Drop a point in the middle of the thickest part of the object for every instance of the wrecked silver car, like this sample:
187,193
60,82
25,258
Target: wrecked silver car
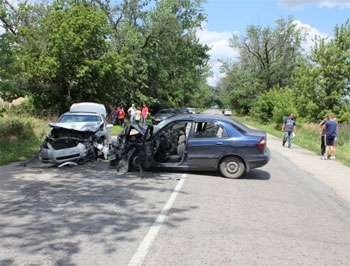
80,135
198,142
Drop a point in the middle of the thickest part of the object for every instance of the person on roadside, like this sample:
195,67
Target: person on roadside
330,127
144,114
289,129
138,115
132,112
120,116
336,136
113,115
323,135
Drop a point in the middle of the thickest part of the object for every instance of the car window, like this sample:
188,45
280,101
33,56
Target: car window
209,130
79,118
240,127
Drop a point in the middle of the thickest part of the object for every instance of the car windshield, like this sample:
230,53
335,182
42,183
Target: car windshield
159,126
162,112
68,118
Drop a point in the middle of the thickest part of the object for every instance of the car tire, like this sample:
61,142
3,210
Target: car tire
134,163
232,167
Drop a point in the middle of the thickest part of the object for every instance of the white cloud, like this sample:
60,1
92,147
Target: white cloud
322,3
220,50
218,42
312,33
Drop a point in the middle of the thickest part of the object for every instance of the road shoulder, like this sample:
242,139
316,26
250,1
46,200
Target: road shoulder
330,172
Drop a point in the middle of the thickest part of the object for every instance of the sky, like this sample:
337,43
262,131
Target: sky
225,17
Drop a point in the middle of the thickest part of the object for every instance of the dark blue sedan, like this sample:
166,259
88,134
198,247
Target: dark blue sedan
191,143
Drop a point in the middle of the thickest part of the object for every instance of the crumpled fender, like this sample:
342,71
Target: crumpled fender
122,162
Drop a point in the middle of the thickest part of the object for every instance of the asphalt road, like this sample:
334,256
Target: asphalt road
293,211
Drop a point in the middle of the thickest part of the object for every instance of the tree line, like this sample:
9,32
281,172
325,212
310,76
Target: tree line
92,50
136,51
274,76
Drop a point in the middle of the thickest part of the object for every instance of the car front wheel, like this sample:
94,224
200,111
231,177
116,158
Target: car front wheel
135,162
232,167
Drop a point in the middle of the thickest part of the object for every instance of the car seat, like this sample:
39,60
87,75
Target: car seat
181,147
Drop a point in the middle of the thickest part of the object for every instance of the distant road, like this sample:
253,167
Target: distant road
213,111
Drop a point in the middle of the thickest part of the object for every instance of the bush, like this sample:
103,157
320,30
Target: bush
274,106
20,137
19,128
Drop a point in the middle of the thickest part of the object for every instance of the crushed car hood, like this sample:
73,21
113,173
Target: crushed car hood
78,126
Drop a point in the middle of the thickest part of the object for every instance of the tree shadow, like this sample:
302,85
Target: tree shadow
47,213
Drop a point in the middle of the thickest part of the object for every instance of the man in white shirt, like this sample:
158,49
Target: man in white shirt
132,112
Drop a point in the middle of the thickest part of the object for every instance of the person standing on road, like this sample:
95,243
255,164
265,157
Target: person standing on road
323,135
113,115
289,129
132,112
331,127
144,114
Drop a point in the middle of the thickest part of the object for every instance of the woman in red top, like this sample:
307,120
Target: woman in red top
120,116
144,114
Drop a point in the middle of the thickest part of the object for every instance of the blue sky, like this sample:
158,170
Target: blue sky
225,17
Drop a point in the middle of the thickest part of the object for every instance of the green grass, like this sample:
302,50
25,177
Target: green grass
308,137
14,151
20,137
116,130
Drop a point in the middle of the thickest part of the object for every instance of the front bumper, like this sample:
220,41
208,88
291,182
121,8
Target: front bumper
50,155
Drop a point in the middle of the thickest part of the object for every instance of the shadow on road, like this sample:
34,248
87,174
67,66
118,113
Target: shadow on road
49,214
257,174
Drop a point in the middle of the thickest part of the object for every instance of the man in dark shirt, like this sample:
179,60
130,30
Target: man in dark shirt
289,128
330,127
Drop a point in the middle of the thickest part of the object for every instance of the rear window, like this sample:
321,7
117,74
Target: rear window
240,127
70,118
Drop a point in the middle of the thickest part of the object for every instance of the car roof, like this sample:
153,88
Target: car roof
81,113
207,118
201,118
166,110
89,107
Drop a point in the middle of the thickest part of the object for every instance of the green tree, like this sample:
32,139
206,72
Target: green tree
135,51
267,58
13,46
322,83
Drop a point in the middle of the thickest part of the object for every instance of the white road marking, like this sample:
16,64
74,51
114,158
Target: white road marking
143,248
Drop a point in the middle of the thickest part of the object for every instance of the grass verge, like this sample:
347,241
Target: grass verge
20,137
